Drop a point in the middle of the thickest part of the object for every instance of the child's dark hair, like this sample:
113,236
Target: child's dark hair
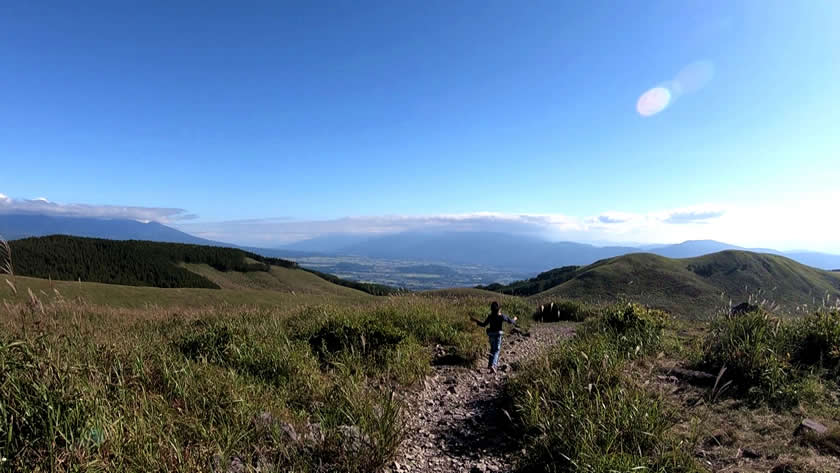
494,307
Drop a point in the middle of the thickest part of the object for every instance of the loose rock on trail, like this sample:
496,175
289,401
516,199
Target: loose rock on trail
456,422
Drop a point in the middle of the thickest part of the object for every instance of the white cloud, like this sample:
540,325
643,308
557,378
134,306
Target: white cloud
803,224
799,222
272,232
43,206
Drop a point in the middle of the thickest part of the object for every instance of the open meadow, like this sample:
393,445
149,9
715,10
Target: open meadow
281,370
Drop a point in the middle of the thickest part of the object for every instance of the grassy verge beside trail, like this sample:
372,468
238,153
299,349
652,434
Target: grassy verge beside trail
774,361
576,410
223,388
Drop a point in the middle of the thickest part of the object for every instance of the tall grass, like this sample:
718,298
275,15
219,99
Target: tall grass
218,388
774,360
6,265
578,411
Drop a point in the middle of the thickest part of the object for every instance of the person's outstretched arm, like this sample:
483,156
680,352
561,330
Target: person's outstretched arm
510,320
480,323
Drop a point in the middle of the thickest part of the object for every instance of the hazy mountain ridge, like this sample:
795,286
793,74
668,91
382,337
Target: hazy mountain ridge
17,226
525,253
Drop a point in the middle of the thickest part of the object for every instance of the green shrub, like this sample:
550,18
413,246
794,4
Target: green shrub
752,348
365,336
579,413
565,310
815,342
631,327
209,343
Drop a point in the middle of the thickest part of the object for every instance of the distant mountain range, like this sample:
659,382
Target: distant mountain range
521,253
518,253
14,227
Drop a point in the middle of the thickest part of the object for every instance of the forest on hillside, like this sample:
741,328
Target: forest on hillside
131,262
146,263
535,285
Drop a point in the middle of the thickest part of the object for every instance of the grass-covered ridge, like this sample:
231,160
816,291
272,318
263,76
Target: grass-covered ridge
697,287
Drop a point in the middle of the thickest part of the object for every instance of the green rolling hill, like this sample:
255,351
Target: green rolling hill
697,287
169,265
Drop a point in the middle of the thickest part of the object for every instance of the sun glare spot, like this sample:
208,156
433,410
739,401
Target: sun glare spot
690,79
695,76
653,101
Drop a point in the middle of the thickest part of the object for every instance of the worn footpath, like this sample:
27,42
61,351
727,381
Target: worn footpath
456,422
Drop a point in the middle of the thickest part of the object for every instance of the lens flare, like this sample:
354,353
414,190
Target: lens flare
695,76
653,101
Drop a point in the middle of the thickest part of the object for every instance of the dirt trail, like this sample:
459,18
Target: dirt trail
456,423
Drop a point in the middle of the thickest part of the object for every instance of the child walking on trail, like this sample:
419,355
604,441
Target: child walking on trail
494,323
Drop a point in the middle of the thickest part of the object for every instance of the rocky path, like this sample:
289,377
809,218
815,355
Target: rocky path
456,423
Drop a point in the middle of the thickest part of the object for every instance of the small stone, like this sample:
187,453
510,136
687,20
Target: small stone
236,466
810,426
289,430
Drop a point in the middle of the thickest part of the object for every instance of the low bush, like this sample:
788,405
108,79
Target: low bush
760,355
815,342
565,310
631,327
750,346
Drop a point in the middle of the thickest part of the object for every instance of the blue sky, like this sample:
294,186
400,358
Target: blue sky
284,114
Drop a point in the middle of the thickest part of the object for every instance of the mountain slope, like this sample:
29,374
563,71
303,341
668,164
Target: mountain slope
696,287
277,278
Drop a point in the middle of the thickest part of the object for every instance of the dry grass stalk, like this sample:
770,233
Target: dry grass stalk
6,266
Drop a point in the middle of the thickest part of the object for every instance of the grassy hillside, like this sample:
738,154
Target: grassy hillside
304,289
697,287
276,279
167,265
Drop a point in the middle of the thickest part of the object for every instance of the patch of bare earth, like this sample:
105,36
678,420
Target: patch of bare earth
456,422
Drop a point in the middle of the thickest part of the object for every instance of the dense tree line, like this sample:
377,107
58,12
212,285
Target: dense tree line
370,288
540,283
132,262
146,263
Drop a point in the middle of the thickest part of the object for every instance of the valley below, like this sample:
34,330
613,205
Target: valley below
408,274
